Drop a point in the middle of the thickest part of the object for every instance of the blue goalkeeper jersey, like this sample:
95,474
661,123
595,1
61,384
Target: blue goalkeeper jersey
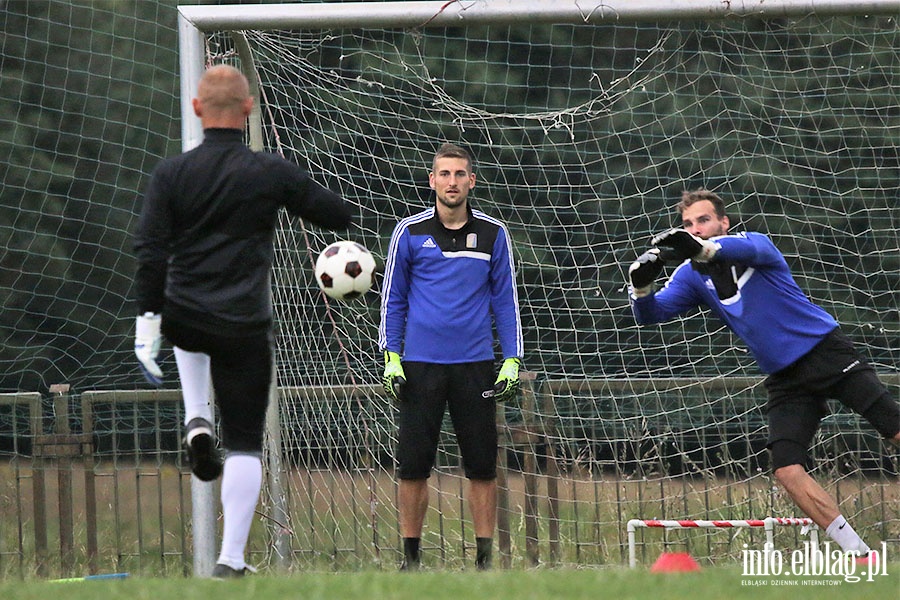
749,286
446,290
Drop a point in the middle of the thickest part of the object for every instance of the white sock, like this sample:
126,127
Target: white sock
241,484
842,533
193,371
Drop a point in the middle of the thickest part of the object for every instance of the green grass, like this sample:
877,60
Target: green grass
562,584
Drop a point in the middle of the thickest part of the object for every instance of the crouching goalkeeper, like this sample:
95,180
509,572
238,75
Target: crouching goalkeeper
745,281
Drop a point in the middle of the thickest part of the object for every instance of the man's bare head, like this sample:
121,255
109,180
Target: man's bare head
223,97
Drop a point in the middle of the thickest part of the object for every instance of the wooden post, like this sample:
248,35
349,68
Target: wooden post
61,445
60,394
39,491
503,534
529,405
550,434
90,494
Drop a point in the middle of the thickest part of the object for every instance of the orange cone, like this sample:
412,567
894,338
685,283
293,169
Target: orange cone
674,562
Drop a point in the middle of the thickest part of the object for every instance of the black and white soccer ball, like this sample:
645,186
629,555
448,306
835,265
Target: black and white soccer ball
345,269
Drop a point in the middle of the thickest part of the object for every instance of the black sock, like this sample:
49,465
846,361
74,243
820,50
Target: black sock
411,551
483,552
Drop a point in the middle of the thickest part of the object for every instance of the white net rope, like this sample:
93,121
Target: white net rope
584,138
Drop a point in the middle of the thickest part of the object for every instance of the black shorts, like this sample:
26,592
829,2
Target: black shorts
833,369
241,373
431,389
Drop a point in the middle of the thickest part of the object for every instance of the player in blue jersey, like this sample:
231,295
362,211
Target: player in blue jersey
745,281
449,282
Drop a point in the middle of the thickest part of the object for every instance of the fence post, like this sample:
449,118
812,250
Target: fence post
90,493
39,490
503,534
60,392
63,446
532,435
549,434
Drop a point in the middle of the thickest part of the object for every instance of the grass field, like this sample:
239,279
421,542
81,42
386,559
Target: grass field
143,520
562,584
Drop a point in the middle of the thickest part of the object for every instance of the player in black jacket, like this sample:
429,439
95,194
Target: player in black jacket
204,246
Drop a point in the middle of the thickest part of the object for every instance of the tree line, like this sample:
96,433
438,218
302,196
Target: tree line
797,123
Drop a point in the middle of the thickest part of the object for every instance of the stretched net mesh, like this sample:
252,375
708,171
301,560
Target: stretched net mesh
584,137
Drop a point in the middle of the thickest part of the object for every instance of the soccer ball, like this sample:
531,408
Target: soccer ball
344,270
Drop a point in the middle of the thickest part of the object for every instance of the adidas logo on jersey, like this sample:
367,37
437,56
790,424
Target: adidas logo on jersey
429,243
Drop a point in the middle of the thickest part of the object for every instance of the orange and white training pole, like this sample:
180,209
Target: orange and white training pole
769,524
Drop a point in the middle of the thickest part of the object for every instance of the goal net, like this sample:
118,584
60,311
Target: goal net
584,132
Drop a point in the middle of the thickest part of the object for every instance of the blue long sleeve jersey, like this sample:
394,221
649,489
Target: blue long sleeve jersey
749,286
442,287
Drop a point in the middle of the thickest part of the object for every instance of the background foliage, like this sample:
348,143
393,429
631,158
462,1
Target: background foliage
89,104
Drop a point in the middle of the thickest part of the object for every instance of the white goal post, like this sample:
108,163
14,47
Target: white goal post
657,397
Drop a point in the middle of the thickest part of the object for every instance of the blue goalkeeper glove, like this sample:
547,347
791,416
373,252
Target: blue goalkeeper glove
686,245
147,341
507,383
394,378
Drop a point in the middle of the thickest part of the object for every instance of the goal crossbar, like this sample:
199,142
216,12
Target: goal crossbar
442,13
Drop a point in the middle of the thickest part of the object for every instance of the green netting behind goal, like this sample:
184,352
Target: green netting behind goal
584,136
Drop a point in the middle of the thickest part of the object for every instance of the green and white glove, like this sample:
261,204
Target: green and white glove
507,384
394,378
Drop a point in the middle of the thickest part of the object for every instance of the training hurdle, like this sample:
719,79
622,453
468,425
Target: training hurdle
769,524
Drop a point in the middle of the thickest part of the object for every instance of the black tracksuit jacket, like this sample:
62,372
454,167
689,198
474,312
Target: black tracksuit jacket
204,241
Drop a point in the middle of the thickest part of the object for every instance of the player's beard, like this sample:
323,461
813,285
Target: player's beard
460,200
720,230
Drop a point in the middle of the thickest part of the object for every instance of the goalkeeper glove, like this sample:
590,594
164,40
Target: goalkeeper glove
147,341
394,379
686,245
644,271
507,383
